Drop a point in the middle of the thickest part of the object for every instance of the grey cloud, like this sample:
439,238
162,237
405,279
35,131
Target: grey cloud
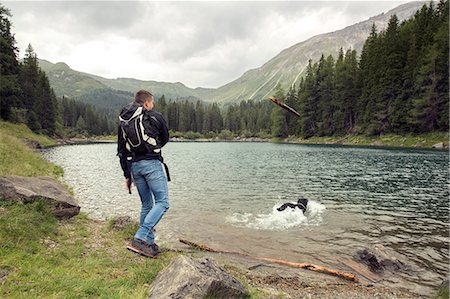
213,23
206,40
81,18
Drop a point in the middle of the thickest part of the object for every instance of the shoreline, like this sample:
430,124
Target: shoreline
389,142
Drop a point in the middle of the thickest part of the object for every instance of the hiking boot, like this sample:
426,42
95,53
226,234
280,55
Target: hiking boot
143,248
156,247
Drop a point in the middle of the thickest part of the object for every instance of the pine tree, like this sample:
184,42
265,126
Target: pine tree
393,63
199,114
341,88
9,67
325,94
29,81
308,100
292,101
370,71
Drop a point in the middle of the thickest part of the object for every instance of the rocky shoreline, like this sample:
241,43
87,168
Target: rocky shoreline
376,144
346,141
272,280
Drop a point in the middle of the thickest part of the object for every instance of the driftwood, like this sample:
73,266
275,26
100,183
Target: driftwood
307,266
284,106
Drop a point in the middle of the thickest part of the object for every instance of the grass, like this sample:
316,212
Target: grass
16,158
21,131
391,140
77,258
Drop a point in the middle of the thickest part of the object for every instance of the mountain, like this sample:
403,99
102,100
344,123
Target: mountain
286,68
68,82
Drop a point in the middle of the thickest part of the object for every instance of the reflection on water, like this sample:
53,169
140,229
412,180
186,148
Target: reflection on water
224,195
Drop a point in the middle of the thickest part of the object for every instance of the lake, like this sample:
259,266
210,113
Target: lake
225,195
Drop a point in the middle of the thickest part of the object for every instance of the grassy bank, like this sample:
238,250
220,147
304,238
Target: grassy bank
18,158
390,140
77,258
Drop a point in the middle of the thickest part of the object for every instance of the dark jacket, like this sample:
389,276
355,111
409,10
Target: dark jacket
162,133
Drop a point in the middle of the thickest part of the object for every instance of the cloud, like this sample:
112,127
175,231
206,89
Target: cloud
203,44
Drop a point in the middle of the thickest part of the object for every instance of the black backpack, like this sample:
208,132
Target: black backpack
139,130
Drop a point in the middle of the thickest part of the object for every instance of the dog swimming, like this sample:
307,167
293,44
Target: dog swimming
301,204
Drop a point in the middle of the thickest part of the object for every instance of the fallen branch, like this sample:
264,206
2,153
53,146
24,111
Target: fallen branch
284,106
311,267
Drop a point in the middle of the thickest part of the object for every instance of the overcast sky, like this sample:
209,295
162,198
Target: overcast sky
201,44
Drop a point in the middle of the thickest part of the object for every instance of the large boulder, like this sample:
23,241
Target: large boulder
191,279
28,189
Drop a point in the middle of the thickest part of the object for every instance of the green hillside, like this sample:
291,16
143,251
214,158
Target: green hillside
67,82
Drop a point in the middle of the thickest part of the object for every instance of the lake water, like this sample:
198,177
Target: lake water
225,195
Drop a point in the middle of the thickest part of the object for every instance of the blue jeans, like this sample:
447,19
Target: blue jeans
151,183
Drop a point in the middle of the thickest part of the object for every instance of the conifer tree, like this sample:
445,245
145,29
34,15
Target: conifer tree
308,100
325,96
9,67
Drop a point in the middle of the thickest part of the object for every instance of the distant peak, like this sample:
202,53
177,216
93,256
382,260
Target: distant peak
62,64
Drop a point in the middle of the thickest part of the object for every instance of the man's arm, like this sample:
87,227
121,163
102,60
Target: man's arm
123,154
163,132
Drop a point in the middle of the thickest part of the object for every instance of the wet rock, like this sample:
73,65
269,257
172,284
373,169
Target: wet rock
189,278
379,259
439,145
29,189
368,258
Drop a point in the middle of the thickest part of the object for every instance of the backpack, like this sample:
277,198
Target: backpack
139,131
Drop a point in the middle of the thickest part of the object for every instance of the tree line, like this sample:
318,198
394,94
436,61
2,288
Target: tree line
399,84
27,97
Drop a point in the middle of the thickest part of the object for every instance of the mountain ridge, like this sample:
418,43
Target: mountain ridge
285,68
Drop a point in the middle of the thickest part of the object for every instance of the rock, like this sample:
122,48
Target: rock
29,189
439,145
33,144
121,222
379,259
189,278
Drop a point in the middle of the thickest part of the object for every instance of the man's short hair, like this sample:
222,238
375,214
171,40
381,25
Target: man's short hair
142,96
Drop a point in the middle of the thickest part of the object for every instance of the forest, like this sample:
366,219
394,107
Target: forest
398,84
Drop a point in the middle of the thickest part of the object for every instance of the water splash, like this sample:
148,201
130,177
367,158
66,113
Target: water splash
283,220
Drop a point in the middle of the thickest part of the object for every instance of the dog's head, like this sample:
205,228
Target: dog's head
302,201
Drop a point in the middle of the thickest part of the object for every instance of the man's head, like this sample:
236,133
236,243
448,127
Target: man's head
144,98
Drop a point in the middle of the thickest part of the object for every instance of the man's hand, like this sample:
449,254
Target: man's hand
128,183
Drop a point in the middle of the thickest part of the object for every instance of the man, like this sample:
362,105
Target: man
142,134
